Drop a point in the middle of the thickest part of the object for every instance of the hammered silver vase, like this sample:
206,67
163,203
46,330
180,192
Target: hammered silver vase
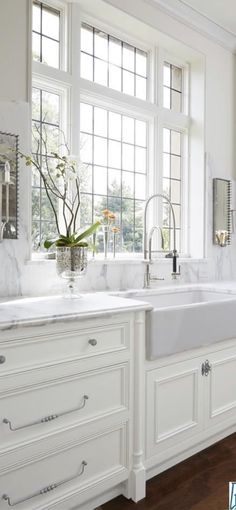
71,264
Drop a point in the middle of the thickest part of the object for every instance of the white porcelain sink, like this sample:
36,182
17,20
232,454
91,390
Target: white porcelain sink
186,318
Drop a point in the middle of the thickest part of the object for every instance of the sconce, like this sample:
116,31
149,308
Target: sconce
8,186
222,212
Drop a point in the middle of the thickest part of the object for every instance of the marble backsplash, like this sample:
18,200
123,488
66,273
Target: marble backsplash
39,277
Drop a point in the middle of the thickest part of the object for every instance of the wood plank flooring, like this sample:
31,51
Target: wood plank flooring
198,483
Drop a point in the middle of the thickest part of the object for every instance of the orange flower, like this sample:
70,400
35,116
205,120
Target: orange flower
111,216
106,212
115,230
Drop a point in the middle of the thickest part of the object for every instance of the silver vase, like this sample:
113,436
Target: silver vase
71,264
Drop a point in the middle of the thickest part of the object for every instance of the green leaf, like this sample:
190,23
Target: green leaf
88,232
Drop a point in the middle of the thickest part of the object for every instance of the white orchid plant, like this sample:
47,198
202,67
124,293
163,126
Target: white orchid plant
60,177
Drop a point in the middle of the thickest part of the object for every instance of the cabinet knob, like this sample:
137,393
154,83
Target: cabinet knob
92,341
2,360
206,368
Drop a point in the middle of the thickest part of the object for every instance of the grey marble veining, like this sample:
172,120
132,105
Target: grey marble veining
38,311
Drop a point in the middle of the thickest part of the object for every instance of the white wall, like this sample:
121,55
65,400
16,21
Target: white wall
219,143
14,118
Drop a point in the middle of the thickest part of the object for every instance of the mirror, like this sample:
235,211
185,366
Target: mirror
8,186
221,212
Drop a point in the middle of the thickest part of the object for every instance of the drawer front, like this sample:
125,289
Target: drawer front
33,412
50,347
69,471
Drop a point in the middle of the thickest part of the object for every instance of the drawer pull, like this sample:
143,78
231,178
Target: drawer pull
92,341
46,419
2,360
45,490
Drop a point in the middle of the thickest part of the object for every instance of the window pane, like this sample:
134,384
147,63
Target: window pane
114,125
36,24
177,215
86,118
140,133
114,182
128,83
166,140
140,160
36,47
140,186
175,191
128,184
176,101
119,187
51,136
166,187
177,78
166,74
100,72
115,51
141,89
100,203
87,39
172,87
166,165
85,210
50,107
128,157
171,183
100,180
100,151
86,153
46,34
36,104
128,129
86,67
50,52
86,178
113,63
175,143
100,45
128,57
114,77
175,167
100,122
141,63
166,97
114,154
50,23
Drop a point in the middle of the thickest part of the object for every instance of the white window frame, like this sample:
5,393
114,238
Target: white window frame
74,89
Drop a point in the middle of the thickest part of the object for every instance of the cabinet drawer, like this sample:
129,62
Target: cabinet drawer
68,471
31,412
50,346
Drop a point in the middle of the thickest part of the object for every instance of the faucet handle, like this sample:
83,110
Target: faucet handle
174,274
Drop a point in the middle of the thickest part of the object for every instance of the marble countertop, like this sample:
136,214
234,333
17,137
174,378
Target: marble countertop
37,311
41,310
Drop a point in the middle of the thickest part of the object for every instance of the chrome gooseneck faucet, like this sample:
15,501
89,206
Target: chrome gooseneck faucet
148,242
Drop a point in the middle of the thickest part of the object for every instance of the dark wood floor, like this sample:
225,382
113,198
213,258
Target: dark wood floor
199,483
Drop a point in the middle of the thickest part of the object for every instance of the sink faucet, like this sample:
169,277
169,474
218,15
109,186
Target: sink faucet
148,277
174,253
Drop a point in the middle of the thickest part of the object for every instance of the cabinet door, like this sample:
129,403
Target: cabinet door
221,389
174,406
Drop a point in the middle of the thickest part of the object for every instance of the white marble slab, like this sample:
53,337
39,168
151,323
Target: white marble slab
32,311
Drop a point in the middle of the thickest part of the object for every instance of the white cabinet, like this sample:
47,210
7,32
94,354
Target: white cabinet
191,403
174,405
66,413
221,389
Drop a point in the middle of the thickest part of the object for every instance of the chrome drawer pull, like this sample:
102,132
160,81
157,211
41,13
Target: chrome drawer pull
92,341
47,489
2,360
52,417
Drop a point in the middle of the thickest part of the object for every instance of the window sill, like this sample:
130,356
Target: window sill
39,259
